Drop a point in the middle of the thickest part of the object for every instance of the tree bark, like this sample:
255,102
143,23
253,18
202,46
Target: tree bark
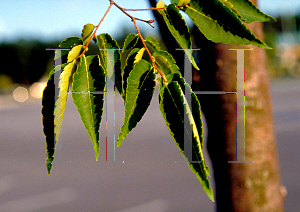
251,187
242,187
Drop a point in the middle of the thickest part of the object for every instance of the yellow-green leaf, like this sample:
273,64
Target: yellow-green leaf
111,63
68,43
219,23
133,57
165,62
130,41
160,4
90,77
176,112
247,11
54,102
74,53
179,29
153,43
139,92
180,2
87,32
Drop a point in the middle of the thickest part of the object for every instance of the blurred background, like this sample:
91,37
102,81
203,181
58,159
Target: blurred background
149,180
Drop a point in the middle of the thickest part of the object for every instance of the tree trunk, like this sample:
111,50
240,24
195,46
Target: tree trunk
249,187
245,187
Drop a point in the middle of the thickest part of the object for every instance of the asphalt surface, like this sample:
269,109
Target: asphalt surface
147,180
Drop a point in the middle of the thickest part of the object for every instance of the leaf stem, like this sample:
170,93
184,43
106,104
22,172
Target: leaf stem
94,33
123,10
140,35
151,57
160,8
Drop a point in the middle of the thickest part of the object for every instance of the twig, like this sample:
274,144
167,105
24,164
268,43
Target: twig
160,8
94,33
151,58
140,35
123,10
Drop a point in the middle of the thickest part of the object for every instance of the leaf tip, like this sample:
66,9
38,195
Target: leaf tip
49,166
267,47
119,142
96,155
210,194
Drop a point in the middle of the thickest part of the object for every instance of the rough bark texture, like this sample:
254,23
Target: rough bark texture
245,187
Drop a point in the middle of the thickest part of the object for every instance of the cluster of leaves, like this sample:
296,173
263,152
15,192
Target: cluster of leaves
219,20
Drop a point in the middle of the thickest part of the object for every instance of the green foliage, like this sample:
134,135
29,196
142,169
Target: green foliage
247,11
53,111
69,43
139,91
90,77
87,32
165,62
219,23
179,30
134,56
153,43
176,111
130,41
110,60
219,20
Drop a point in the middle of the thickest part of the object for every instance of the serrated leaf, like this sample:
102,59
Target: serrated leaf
74,53
248,11
130,41
179,29
68,43
139,92
90,77
105,43
176,111
133,57
219,23
87,32
54,102
196,108
165,62
153,43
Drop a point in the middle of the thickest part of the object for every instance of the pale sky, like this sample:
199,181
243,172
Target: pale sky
58,19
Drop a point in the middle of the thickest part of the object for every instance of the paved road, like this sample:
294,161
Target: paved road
148,180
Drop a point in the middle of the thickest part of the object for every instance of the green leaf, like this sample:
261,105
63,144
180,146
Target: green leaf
160,4
55,97
140,88
196,108
219,23
90,77
68,43
111,62
179,29
130,41
74,53
180,2
133,57
87,32
175,111
54,102
165,62
153,43
247,11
